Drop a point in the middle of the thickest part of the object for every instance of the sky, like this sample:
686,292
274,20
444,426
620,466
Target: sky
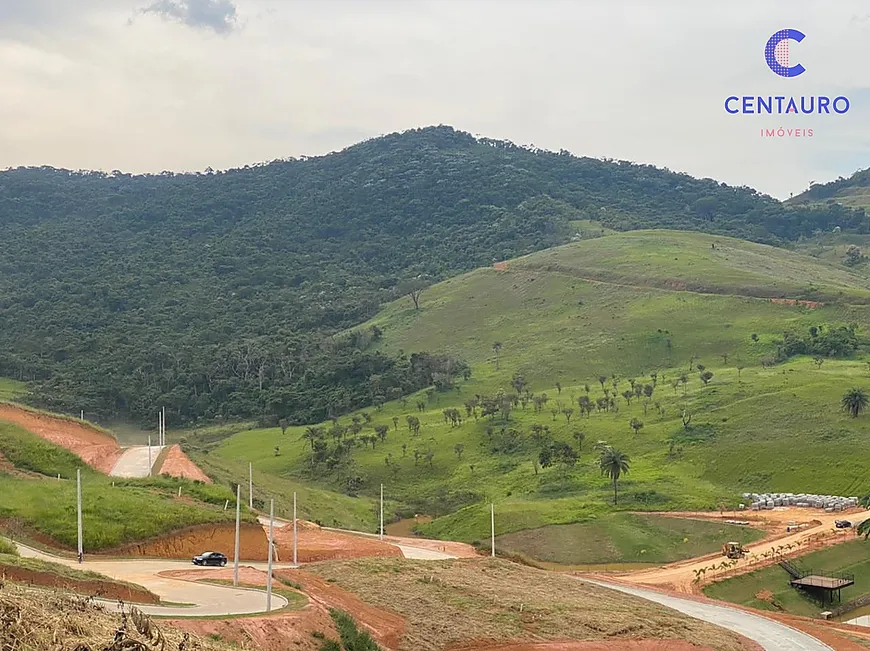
182,85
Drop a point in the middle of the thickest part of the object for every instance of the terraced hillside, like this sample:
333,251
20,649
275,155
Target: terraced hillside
566,322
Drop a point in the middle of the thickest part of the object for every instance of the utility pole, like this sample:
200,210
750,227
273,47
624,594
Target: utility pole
163,440
238,519
149,455
83,414
79,513
271,547
492,527
159,428
294,529
381,536
251,486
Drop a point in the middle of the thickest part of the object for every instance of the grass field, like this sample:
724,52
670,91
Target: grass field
600,308
850,558
624,538
445,602
130,510
10,389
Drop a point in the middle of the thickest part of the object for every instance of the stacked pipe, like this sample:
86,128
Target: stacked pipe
830,503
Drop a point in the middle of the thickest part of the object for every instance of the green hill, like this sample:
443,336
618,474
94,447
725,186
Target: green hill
217,294
853,192
769,418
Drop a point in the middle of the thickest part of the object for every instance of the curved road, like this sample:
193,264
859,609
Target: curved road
770,634
207,599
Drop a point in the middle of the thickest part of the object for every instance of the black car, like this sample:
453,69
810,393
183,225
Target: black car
842,524
210,558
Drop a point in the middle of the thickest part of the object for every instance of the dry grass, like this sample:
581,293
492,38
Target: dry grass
37,620
446,602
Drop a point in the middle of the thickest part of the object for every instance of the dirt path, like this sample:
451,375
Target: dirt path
680,576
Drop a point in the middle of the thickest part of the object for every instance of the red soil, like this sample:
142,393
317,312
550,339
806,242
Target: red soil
387,628
96,588
176,464
96,448
314,544
207,537
500,266
612,645
460,550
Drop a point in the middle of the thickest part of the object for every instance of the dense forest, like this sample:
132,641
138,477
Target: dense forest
833,189
223,294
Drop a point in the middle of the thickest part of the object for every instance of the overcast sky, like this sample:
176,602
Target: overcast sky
151,85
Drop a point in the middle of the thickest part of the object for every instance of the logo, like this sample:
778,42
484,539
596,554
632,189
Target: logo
776,53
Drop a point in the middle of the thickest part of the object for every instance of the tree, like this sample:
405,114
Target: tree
614,464
312,434
429,457
381,431
395,422
686,417
818,360
559,387
412,288
283,424
518,382
636,425
458,449
602,379
754,337
854,401
725,357
740,367
706,376
579,437
628,395
568,411
853,256
496,348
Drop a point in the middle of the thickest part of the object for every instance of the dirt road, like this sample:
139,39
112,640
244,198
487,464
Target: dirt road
680,576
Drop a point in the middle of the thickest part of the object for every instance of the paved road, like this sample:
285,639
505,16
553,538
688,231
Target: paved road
133,462
207,600
771,635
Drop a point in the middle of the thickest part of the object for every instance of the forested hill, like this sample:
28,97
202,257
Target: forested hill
853,191
218,293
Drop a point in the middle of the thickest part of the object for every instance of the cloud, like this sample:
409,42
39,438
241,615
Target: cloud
220,16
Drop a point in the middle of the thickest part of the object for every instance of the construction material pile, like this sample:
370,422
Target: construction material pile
830,503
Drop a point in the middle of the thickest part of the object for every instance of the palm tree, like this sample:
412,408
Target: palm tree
311,434
614,463
854,401
496,347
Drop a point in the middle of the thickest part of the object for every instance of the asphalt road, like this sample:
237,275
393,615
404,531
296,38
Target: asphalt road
770,634
134,461
207,600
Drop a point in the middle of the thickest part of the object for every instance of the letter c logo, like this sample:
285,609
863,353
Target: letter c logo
778,44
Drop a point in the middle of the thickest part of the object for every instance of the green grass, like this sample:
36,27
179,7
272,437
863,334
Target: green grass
850,558
131,510
624,538
595,308
11,389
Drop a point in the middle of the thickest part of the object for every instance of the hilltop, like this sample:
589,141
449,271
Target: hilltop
853,192
218,294
598,319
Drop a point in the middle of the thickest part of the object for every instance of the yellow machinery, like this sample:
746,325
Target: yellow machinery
733,550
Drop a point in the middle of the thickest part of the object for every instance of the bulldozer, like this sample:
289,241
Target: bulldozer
733,550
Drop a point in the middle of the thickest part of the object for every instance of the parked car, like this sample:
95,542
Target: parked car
210,558
842,524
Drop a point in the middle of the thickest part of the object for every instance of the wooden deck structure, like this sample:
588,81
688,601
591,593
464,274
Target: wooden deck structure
818,581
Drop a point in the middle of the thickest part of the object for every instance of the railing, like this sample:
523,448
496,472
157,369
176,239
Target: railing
791,569
823,574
